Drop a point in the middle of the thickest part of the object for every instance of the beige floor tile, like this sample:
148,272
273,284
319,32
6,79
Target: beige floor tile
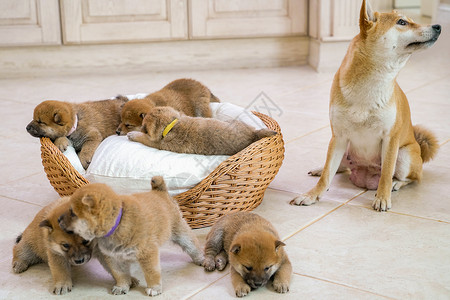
393,255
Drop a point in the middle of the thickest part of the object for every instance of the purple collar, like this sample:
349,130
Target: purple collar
119,217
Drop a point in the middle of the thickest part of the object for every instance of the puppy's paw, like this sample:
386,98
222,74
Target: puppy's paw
120,290
134,135
242,289
221,263
62,288
198,259
209,264
381,203
62,143
304,199
280,286
154,291
19,266
85,159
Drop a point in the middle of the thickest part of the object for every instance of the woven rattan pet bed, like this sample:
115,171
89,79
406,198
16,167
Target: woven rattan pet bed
237,184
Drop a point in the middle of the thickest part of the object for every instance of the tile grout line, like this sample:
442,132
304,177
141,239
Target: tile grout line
306,134
323,216
428,83
342,284
204,288
21,201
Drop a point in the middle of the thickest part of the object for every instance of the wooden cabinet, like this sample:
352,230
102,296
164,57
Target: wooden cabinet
29,22
249,18
101,21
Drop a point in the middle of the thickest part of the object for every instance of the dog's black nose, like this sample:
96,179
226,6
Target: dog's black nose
118,132
437,28
79,261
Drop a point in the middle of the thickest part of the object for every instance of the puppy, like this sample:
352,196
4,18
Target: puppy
166,129
252,246
85,124
370,118
130,228
44,241
185,95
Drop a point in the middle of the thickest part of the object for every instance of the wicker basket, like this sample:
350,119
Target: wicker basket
238,183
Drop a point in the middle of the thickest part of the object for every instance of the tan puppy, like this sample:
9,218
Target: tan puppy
130,227
85,124
185,95
252,246
44,241
370,118
166,129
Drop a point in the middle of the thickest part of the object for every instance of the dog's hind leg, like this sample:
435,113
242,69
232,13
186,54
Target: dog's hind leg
183,236
408,167
213,248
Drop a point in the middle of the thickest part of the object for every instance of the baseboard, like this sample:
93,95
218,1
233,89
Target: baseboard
326,56
159,56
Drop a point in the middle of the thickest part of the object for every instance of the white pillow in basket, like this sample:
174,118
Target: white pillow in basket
128,166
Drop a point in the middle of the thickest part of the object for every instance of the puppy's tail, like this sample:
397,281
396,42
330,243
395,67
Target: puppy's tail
158,184
19,238
427,141
262,133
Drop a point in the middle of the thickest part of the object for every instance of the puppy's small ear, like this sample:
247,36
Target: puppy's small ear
46,224
57,118
88,200
142,115
236,249
278,244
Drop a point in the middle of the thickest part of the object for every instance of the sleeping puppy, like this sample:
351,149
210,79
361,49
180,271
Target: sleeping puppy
185,95
85,124
130,227
166,129
44,241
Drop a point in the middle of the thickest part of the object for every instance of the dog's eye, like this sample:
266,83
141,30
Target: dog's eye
69,232
65,246
71,213
402,22
85,242
266,269
129,126
248,268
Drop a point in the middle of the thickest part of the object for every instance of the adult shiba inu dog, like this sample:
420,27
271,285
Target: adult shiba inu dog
85,124
44,241
252,246
128,228
372,134
188,96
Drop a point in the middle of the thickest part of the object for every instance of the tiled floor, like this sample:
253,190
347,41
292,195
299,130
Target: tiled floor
339,247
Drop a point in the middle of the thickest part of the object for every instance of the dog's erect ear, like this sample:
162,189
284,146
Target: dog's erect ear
235,249
366,18
46,224
88,200
278,244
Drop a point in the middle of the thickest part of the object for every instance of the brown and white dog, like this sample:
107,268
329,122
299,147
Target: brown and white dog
370,117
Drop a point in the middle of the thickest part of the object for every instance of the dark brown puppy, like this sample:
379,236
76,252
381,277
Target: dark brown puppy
85,124
185,95
166,129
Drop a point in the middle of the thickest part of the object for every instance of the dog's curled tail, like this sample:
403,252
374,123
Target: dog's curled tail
427,141
158,184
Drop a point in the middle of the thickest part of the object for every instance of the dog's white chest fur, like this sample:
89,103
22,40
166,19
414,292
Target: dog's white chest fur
108,247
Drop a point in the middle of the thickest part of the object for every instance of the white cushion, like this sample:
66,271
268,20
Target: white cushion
128,166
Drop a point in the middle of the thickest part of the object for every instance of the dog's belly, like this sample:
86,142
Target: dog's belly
108,247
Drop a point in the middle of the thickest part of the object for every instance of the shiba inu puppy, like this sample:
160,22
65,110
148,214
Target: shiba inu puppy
86,124
185,95
44,241
254,250
130,227
372,134
166,129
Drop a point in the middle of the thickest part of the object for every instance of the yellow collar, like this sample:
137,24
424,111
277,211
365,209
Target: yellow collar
169,127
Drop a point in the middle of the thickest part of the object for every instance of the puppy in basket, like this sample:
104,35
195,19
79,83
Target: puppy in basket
185,95
86,124
130,227
165,128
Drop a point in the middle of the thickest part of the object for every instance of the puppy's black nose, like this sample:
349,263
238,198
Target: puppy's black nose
118,132
437,28
79,261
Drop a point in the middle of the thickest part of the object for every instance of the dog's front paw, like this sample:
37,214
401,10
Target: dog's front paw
305,199
316,172
134,135
381,203
19,266
154,291
62,143
62,288
85,160
280,286
120,290
209,264
242,289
